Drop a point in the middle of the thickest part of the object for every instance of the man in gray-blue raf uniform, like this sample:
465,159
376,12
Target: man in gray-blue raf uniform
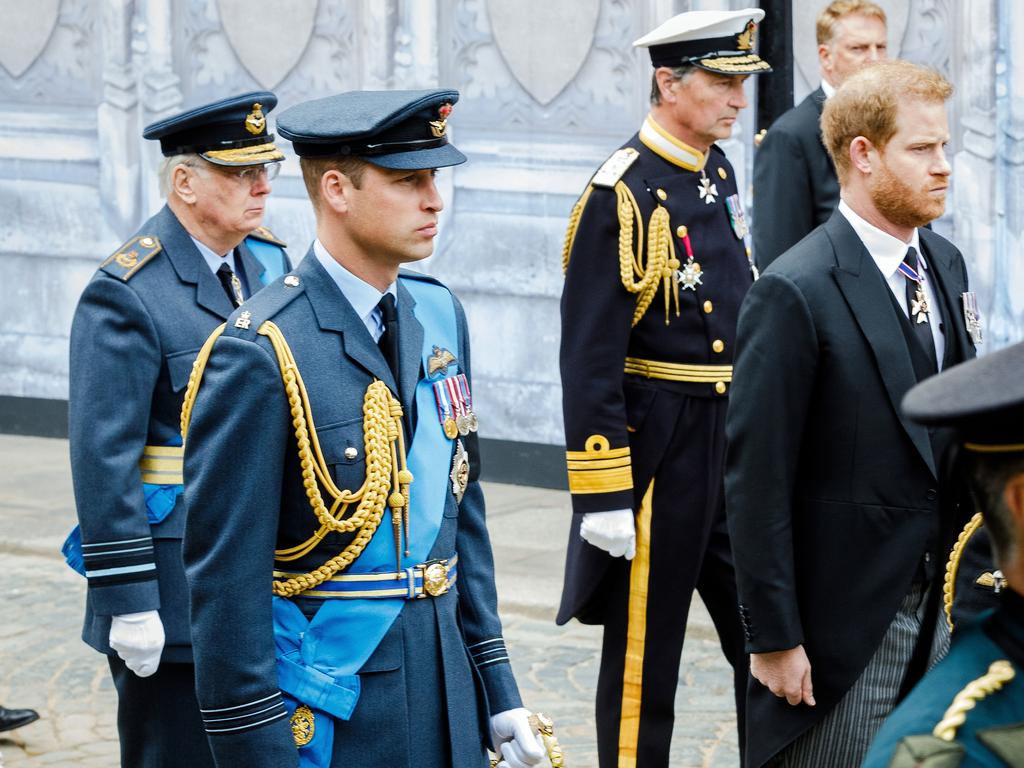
137,329
969,710
340,571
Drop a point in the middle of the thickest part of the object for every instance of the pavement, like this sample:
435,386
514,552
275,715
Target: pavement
45,665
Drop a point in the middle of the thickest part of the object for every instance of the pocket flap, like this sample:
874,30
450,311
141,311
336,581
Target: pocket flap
179,367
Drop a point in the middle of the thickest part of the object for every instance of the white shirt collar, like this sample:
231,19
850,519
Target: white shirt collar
360,294
887,251
214,259
827,88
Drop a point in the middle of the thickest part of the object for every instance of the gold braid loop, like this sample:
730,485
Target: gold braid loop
195,377
999,673
570,231
953,565
661,263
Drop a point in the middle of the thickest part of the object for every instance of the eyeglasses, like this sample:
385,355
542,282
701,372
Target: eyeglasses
250,173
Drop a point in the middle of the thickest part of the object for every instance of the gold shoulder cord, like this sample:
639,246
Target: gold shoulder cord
999,673
953,565
386,467
574,224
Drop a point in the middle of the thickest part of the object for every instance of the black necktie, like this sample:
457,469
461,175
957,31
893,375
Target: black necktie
232,285
388,341
916,300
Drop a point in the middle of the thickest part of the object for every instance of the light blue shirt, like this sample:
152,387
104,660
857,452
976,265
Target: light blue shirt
214,259
363,297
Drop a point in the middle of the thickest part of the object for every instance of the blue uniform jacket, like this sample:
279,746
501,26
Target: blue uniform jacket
992,735
246,498
138,326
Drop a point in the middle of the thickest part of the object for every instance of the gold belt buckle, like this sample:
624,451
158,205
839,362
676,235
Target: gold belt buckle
435,578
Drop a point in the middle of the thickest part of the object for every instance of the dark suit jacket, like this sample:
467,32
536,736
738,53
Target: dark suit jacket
831,493
133,340
795,185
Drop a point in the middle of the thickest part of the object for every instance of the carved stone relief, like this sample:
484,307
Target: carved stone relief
254,30
47,52
543,43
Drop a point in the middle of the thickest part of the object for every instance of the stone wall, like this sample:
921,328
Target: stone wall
549,88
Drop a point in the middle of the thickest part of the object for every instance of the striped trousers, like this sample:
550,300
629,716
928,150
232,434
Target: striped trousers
842,738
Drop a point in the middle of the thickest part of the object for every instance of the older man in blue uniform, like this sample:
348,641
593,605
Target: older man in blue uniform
138,326
342,586
969,710
656,267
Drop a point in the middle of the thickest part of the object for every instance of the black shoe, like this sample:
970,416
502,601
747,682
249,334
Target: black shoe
16,718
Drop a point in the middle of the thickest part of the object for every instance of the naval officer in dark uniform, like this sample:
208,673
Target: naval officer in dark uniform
340,571
138,326
656,266
969,710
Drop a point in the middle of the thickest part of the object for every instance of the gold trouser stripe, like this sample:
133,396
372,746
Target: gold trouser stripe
636,636
703,374
162,464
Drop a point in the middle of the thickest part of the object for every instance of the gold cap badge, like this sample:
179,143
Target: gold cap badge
745,39
438,127
256,121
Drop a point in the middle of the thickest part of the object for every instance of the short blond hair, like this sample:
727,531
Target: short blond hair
866,105
314,168
836,11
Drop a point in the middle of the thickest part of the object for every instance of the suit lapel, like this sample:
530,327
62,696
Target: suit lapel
410,346
334,313
250,266
190,264
864,289
948,287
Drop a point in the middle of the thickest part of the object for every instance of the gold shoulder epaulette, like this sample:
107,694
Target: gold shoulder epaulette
264,234
614,167
999,673
132,256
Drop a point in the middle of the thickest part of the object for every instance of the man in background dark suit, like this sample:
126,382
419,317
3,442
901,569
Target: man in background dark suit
831,493
795,185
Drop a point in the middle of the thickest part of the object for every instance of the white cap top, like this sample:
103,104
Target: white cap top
697,25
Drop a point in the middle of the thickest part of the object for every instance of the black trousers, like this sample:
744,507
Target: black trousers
688,549
158,720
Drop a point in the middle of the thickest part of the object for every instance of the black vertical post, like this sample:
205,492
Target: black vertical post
775,90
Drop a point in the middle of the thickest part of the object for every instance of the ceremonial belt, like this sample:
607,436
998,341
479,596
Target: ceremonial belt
702,374
162,464
430,579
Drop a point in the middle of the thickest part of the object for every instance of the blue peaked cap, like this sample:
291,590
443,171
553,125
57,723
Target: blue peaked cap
402,130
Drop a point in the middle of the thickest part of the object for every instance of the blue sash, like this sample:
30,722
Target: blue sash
270,256
160,502
318,660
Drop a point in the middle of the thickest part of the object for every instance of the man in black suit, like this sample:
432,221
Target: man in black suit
795,185
831,493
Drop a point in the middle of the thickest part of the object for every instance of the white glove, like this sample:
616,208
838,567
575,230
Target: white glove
614,532
515,742
138,638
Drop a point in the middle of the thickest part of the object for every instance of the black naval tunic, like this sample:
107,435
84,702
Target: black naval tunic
646,372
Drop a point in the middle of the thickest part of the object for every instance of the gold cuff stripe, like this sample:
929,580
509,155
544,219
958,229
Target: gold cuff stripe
591,464
162,464
652,369
994,448
601,480
636,636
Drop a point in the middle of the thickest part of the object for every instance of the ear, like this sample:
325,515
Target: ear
182,179
825,58
1013,497
862,154
336,191
665,80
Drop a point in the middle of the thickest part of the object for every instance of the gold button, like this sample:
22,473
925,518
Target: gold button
720,387
718,345
662,194
147,242
681,231
351,453
721,173
708,307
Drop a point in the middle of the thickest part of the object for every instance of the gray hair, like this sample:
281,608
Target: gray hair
678,73
167,166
